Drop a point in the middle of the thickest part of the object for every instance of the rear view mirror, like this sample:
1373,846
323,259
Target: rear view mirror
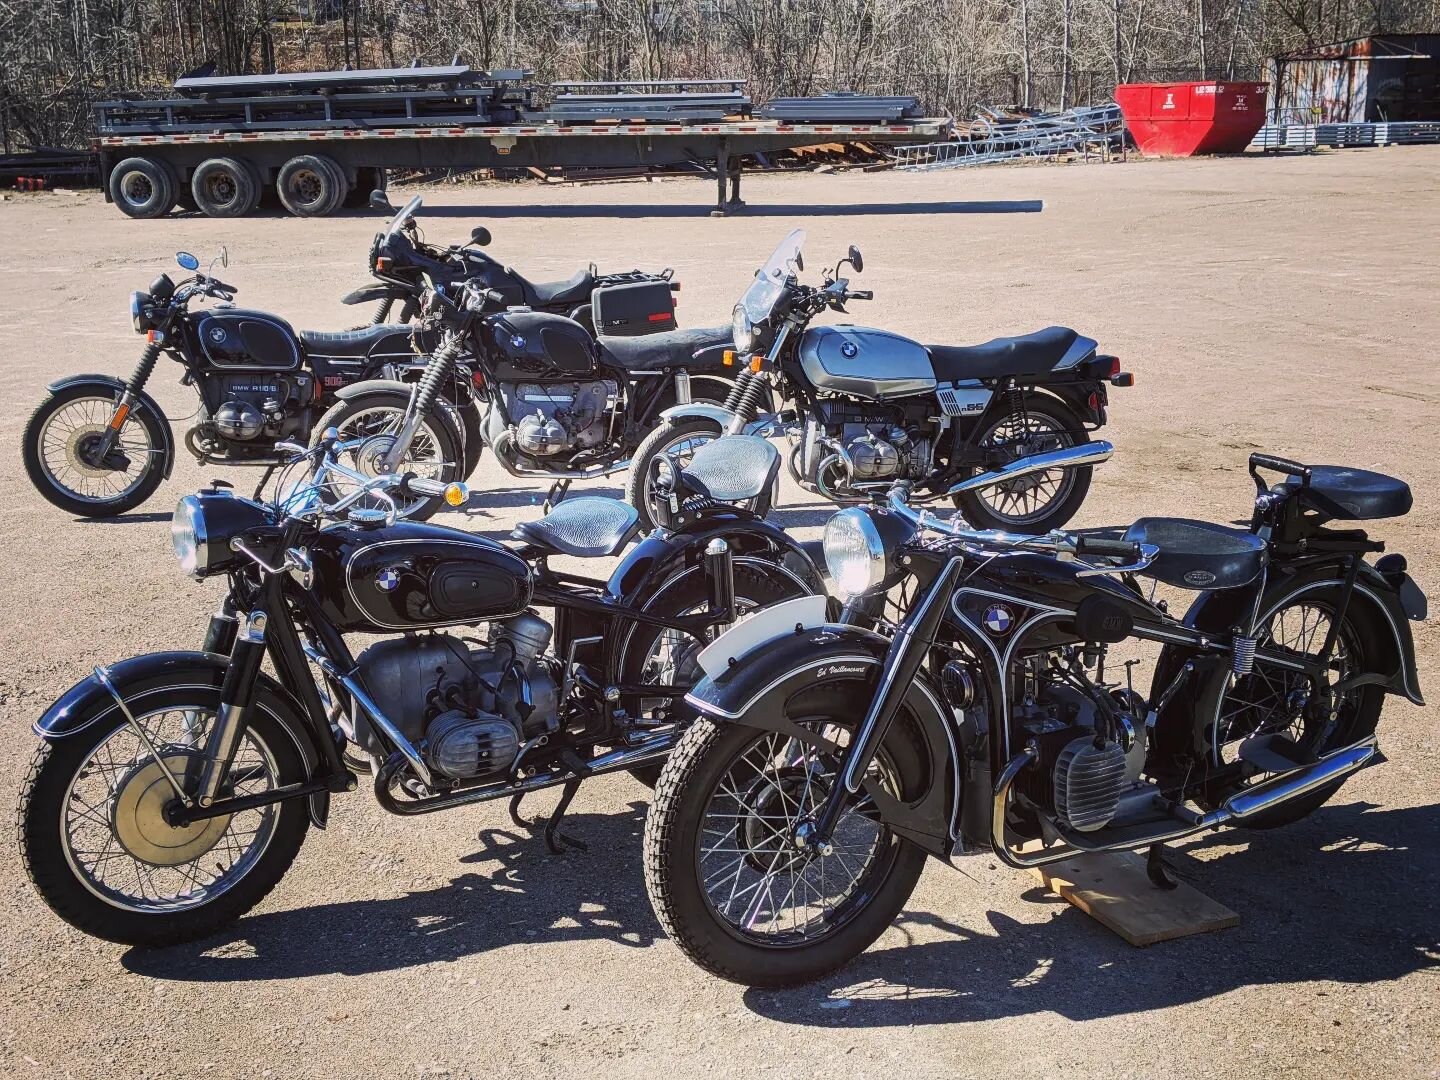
799,263
480,236
187,261
380,201
854,258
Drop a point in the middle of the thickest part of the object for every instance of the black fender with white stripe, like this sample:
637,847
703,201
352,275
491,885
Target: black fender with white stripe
753,691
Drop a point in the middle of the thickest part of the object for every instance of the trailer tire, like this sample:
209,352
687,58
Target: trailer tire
224,188
310,185
143,187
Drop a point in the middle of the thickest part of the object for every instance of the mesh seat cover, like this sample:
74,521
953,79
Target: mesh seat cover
732,469
589,527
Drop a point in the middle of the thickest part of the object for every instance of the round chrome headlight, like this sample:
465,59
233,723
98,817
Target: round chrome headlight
137,311
187,535
742,329
854,552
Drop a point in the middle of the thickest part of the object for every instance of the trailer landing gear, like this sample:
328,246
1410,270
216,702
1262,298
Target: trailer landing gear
727,169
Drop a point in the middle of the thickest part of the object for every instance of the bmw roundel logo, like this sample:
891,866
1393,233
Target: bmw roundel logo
997,619
388,580
849,350
217,334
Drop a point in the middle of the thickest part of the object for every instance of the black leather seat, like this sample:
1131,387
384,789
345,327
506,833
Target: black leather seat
350,342
1351,494
1199,554
574,290
1026,355
673,348
731,469
590,527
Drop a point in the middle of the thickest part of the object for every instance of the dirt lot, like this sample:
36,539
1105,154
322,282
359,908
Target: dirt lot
1286,304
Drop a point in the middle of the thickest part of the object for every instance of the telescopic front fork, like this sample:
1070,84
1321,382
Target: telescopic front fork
236,693
720,577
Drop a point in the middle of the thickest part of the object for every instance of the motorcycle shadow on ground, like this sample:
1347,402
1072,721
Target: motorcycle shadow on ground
1345,896
530,897
124,519
750,209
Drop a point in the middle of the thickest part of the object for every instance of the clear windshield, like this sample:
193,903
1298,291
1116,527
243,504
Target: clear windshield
769,284
406,213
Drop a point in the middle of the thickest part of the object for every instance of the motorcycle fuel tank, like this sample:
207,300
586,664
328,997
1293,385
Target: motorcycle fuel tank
864,362
542,344
413,576
235,338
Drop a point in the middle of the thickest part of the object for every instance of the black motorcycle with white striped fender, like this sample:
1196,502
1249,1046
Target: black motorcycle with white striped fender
791,822
172,791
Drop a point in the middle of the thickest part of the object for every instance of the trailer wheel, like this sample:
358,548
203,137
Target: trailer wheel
224,188
143,187
310,185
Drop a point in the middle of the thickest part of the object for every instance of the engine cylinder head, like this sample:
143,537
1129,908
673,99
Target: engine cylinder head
528,634
1088,782
468,746
540,437
239,420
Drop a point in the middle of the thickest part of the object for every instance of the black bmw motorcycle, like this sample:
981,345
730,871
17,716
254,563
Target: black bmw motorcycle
869,407
172,791
793,819
98,446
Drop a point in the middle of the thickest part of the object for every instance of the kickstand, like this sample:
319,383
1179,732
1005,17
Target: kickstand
1158,871
555,840
515,810
557,492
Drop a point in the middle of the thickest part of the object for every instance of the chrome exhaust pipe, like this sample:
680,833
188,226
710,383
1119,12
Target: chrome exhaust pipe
1068,457
1236,810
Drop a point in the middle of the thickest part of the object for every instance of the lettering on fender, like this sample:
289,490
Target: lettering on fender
839,669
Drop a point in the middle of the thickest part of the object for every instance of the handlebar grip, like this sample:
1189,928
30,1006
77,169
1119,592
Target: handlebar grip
419,487
1116,549
216,283
1279,464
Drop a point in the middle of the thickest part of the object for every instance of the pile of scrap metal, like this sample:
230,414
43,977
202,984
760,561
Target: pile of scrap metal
1089,132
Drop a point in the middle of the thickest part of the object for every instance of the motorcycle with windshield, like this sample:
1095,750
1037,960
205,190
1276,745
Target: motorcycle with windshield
869,407
98,445
171,791
792,821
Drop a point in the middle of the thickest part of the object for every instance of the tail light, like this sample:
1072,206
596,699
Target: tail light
478,379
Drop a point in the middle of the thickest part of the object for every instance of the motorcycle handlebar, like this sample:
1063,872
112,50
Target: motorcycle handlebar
1115,549
1280,465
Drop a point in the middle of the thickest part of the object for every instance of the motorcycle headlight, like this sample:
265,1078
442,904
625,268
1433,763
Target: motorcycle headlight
187,536
742,329
138,317
854,552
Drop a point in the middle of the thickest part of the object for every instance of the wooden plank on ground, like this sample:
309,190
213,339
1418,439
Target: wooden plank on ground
1114,889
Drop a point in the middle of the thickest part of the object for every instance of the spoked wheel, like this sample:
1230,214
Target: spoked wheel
435,452
657,656
99,847
1279,701
62,452
726,877
678,442
1039,502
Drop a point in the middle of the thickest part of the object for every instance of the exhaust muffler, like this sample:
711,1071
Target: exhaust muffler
1068,457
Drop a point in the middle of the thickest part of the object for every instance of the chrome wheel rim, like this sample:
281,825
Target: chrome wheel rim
756,882
670,660
377,427
137,187
1028,499
111,821
66,433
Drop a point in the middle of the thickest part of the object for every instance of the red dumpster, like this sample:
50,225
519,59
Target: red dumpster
1181,119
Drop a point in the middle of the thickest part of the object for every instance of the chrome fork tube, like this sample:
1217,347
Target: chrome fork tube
236,693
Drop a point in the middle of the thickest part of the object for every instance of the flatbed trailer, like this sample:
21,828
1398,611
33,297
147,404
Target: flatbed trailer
321,140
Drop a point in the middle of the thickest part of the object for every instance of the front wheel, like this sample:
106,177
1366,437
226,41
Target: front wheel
1039,502
95,840
62,452
375,418
723,872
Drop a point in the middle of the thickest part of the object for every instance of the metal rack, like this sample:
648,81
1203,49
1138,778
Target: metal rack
1092,129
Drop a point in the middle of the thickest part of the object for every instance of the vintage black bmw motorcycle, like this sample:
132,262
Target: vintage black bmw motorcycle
98,445
793,819
172,791
869,407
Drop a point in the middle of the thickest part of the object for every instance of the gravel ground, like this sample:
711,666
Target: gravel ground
1279,303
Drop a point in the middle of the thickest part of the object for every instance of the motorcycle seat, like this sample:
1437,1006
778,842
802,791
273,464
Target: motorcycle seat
1199,554
1052,349
734,468
573,290
357,343
1351,494
669,349
590,527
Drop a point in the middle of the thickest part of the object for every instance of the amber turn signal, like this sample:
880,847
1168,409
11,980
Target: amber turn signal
728,359
456,494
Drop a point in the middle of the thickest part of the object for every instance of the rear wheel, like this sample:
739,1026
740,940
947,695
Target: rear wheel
225,188
310,185
677,442
61,452
723,872
143,187
97,845
375,418
1042,501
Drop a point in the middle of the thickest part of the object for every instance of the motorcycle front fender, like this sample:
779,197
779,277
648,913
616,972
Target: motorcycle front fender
142,401
754,691
88,703
698,409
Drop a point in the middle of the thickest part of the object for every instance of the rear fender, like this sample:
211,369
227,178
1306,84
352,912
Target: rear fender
372,293
88,703
143,401
755,690
1077,396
